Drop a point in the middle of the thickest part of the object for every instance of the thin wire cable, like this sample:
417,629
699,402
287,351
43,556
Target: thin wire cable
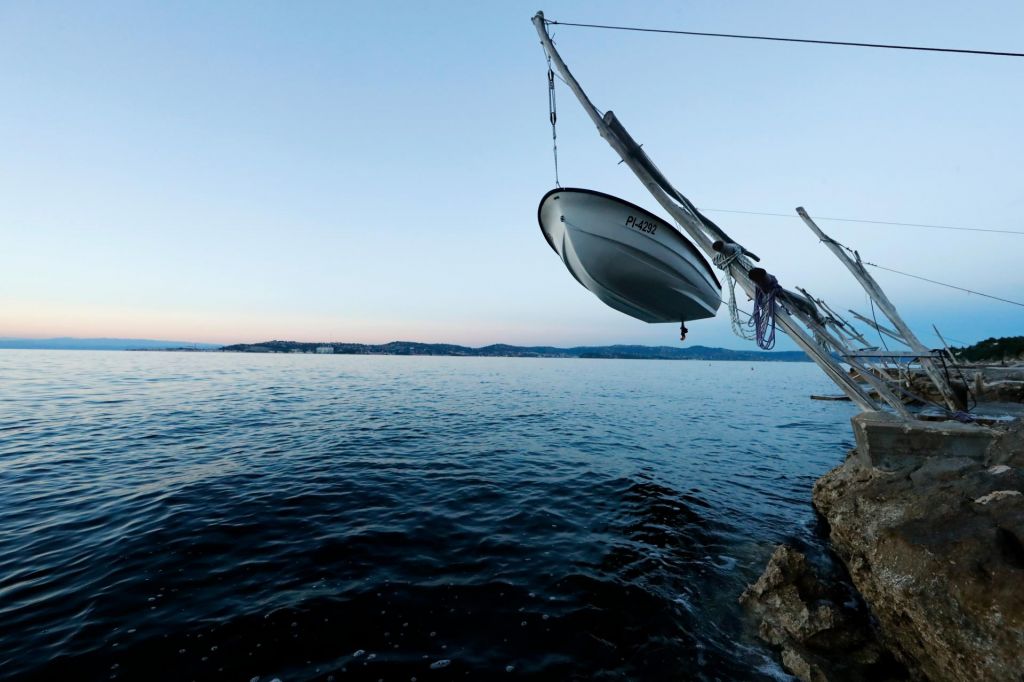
951,286
553,116
924,279
950,338
885,46
877,328
872,222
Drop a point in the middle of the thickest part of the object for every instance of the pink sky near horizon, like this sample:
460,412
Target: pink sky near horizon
28,321
239,172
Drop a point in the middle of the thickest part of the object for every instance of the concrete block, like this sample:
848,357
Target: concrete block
886,441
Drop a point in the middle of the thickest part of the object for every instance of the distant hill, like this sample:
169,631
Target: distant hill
1005,348
504,350
415,348
68,343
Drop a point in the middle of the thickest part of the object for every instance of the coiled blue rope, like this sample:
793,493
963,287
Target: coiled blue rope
763,319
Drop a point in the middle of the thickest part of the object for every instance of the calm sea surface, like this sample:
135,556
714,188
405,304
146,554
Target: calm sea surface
223,516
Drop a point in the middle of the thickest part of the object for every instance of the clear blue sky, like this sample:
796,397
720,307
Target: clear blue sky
238,171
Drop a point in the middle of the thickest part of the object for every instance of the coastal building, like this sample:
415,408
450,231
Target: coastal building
325,349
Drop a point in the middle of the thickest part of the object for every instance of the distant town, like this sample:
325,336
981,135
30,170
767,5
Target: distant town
1007,349
505,350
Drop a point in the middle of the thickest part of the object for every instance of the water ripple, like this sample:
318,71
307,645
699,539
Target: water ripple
216,516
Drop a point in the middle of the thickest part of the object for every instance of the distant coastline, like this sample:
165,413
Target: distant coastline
1008,349
73,343
414,348
618,352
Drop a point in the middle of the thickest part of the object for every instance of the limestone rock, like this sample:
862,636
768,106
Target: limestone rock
801,667
997,495
1008,447
823,634
937,551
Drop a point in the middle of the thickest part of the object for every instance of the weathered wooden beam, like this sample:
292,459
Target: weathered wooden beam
949,350
880,328
840,322
687,217
885,305
876,382
822,327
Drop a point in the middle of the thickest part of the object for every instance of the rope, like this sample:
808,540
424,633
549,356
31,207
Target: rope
763,319
822,340
553,116
951,286
886,46
923,279
723,261
878,329
869,222
967,385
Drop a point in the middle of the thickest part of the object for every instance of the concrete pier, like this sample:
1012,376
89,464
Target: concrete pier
885,441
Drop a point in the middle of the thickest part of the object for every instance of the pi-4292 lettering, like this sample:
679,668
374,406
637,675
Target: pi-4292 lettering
641,224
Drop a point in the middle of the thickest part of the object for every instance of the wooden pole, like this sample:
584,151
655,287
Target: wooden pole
881,388
841,325
691,222
949,350
886,306
880,328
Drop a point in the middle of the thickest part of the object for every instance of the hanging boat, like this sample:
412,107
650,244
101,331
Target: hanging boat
632,260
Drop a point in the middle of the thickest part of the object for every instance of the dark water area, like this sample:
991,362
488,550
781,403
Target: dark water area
214,516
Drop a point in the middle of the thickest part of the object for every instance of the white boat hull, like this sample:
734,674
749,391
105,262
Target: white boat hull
632,260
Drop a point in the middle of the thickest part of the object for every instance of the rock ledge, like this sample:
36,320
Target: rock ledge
936,548
821,627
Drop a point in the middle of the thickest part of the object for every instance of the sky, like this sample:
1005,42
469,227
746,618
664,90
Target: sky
242,171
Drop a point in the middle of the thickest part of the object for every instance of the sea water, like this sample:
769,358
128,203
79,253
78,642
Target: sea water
230,516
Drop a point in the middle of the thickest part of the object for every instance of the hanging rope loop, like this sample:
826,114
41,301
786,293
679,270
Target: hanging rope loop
763,319
726,255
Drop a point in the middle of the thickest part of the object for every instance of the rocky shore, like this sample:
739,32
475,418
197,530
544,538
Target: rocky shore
928,521
981,384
